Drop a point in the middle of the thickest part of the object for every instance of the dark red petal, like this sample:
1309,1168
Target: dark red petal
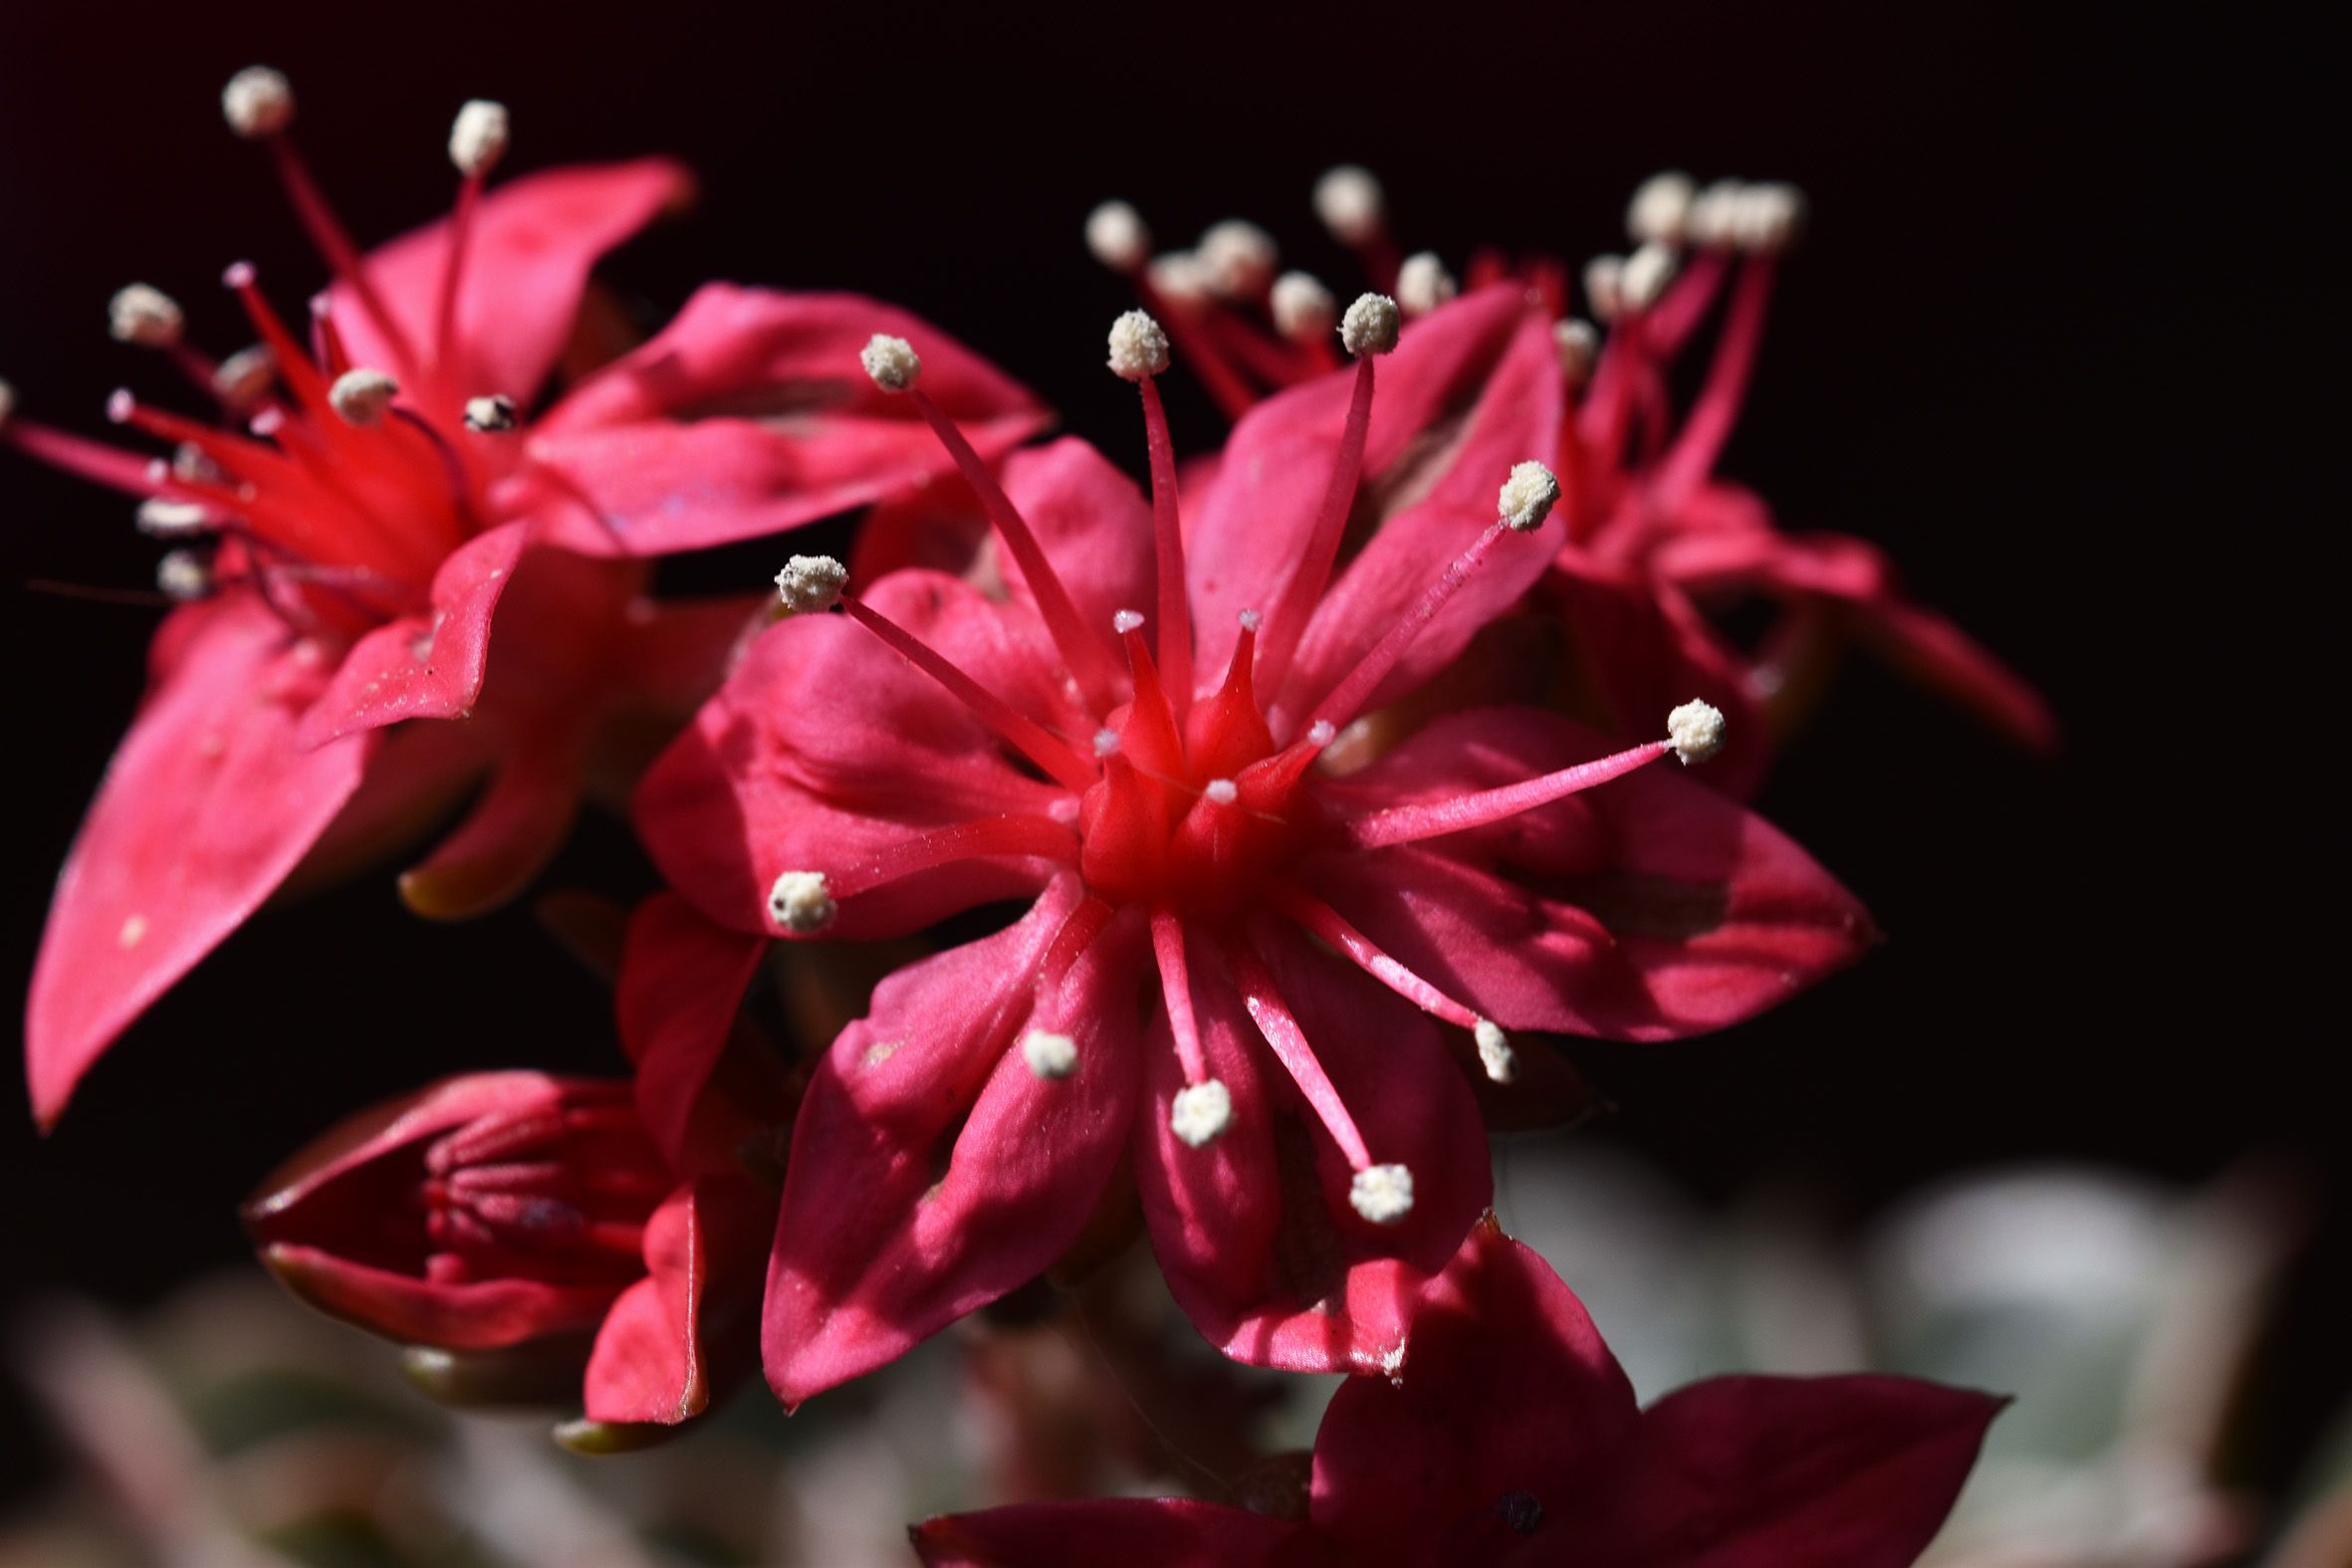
1508,1398
206,806
654,1357
881,1243
477,1315
1648,908
397,1124
683,978
430,665
1133,1532
521,819
534,242
749,415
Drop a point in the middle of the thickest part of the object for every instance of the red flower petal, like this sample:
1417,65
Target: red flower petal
205,808
1648,908
749,414
681,981
1162,1532
653,1357
881,1243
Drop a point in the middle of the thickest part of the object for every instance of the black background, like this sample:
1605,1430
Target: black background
2032,344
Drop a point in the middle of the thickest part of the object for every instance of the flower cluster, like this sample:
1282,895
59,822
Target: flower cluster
1313,860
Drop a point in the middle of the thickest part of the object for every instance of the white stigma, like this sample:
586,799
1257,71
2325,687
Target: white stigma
1645,275
258,102
1495,1052
243,379
1696,729
1321,732
161,519
1528,496
802,903
1251,620
492,413
148,317
184,576
891,361
1714,213
1237,259
1605,280
1351,204
1126,622
1179,276
1423,284
1304,310
1107,742
809,585
1138,348
1370,324
1578,346
1201,1112
1221,790
1766,218
363,397
1050,1056
1118,237
1382,1193
478,137
1660,207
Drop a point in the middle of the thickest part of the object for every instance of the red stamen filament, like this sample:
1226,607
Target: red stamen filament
1405,824
981,839
1175,614
334,245
1709,424
1312,571
1327,923
1356,688
461,225
1167,944
1282,1032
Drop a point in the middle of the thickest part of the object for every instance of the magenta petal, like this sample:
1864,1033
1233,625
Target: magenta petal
534,241
483,1314
426,666
652,1359
1158,1532
889,1231
749,415
206,806
683,978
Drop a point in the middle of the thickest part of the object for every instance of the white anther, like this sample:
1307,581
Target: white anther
1050,1056
1423,284
1237,259
161,519
809,585
1660,207
1370,324
1251,620
1201,1112
1304,310
891,361
1138,348
1126,622
1107,742
1528,496
1578,346
258,102
1221,790
6,402
1178,276
1697,730
1766,217
191,462
363,397
1714,214
1118,237
1605,284
1351,204
1321,732
149,316
478,137
1645,275
1495,1052
1382,1193
801,902
493,413
243,379
182,576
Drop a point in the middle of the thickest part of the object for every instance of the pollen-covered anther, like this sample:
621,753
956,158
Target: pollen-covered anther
1645,276
490,414
1237,259
1493,1051
891,361
1382,1193
1604,286
1351,203
1178,275
363,397
801,902
1528,496
145,316
1116,236
184,576
1221,790
478,137
1050,1056
1126,620
1107,742
160,518
1660,207
1696,730
809,585
1138,348
258,102
1304,310
1321,732
1250,621
1577,344
1370,324
243,379
1714,214
1423,284
1201,1112
1765,219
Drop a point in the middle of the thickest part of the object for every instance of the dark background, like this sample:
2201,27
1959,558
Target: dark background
2032,344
